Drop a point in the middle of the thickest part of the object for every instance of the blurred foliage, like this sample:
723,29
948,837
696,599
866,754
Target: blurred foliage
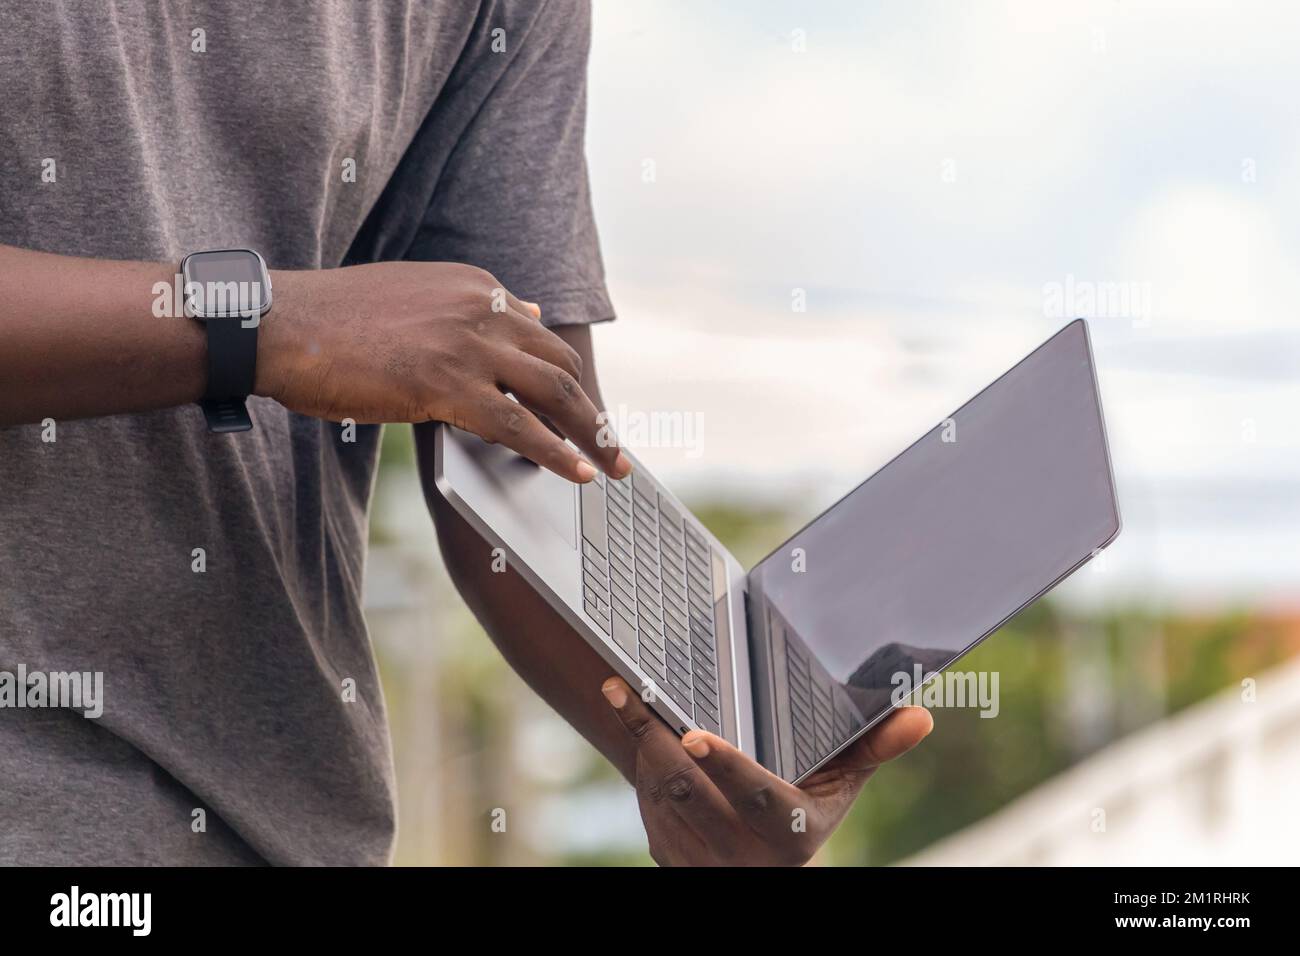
1147,665
970,767
397,449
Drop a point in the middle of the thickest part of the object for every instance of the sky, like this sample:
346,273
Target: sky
827,225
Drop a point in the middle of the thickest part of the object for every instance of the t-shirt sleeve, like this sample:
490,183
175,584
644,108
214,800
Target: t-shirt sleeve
512,195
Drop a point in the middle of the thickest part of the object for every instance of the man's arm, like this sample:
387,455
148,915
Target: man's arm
702,801
389,342
78,338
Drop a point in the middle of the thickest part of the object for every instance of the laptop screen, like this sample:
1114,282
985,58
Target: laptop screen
936,550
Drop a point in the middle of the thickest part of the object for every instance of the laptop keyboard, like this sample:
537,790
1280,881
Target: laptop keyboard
648,582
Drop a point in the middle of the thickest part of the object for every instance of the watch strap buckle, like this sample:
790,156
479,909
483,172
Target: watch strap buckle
226,414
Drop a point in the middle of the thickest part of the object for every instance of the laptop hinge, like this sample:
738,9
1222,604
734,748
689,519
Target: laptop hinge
760,677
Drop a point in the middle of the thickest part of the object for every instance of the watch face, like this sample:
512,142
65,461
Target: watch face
229,283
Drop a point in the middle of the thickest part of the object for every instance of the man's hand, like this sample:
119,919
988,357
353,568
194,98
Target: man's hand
430,341
704,802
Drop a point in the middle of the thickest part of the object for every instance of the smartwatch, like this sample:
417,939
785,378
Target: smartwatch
228,290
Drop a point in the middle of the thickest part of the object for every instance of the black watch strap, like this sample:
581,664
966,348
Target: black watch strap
232,365
226,414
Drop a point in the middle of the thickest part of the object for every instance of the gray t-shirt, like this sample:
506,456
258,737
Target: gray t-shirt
224,691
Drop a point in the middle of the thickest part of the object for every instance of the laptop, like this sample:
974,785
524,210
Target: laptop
794,659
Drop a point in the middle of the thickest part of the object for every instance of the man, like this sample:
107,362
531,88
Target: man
214,579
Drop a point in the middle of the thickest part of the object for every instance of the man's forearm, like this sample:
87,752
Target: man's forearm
543,649
78,338
383,342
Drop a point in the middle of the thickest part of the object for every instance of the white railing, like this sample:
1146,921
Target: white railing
1218,783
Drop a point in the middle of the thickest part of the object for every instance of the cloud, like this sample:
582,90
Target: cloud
1105,142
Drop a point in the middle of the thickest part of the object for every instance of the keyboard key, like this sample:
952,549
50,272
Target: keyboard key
623,522
595,568
592,584
706,711
644,526
624,635
704,678
703,652
624,611
621,592
620,540
653,666
648,606
669,514
646,553
590,553
697,612
619,490
702,635
681,693
644,493
698,583
710,694
708,723
799,698
697,556
705,667
593,515
654,650
621,567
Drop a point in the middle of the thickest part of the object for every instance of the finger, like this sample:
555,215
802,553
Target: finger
891,738
668,777
557,395
648,731
508,423
541,415
520,305
538,342
529,335
762,800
